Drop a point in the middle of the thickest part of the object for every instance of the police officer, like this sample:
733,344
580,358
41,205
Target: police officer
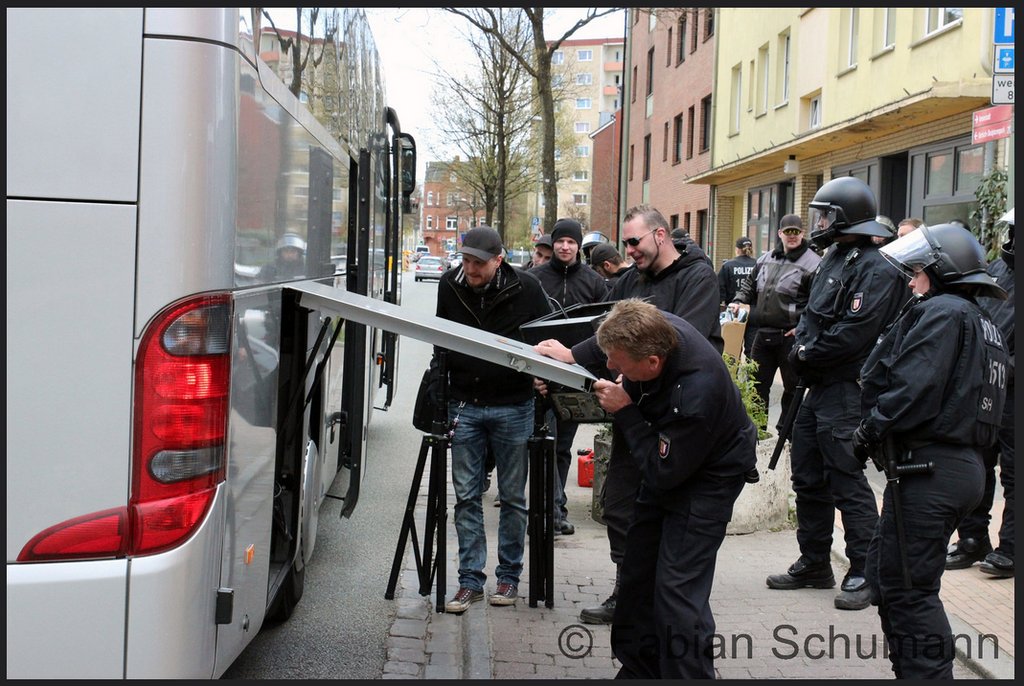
683,420
934,386
973,543
854,296
731,276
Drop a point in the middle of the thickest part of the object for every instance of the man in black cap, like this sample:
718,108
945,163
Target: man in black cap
490,408
542,250
607,262
567,281
776,294
730,276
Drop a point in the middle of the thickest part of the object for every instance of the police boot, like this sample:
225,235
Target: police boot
854,593
997,564
966,552
803,574
603,613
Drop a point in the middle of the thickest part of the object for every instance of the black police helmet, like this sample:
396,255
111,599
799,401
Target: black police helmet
948,253
849,207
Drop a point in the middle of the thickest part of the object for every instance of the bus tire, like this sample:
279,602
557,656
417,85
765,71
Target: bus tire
288,596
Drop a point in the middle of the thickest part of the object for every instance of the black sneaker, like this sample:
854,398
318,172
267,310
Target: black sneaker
505,594
966,552
854,593
602,614
462,599
803,574
997,564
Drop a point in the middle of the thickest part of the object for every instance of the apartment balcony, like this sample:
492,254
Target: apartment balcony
613,66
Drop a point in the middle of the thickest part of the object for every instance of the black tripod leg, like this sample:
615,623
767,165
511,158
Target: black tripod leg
535,521
551,482
408,524
439,496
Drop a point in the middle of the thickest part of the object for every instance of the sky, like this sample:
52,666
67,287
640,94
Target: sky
410,42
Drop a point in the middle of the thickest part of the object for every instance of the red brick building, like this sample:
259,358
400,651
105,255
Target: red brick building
447,209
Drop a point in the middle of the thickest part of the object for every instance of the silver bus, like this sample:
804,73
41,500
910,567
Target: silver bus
173,425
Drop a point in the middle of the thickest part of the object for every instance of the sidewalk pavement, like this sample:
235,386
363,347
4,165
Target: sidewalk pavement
761,633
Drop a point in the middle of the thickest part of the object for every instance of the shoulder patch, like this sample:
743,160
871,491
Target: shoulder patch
664,445
857,302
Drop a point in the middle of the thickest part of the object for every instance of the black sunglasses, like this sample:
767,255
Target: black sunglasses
634,241
792,232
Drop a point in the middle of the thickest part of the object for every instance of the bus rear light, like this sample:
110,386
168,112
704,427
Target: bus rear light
182,379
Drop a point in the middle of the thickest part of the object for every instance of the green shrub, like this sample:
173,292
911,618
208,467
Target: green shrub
743,374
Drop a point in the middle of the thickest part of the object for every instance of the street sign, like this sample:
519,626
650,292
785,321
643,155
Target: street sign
992,115
535,222
1002,63
1002,90
1002,27
991,132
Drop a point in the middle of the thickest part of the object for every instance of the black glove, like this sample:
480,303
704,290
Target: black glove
865,443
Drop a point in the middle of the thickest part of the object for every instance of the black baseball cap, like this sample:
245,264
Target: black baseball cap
482,242
743,242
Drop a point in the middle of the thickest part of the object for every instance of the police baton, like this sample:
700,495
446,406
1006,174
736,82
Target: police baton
893,472
787,422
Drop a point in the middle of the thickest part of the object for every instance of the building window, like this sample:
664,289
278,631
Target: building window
430,199
557,57
939,17
584,79
451,223
584,55
668,49
782,82
650,71
632,156
647,157
557,80
677,139
632,94
430,222
709,22
582,127
583,103
686,223
815,112
673,221
452,199
681,48
579,198
582,151
705,123
848,31
735,98
689,134
810,111
693,32
702,227
943,180
580,175
887,27
762,80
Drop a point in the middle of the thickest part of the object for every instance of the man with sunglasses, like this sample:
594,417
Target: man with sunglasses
853,298
682,282
776,294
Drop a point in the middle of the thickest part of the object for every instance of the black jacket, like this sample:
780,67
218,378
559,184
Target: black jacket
1001,312
938,376
687,430
778,287
571,284
731,276
855,295
513,298
688,288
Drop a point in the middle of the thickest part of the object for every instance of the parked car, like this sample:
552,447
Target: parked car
455,259
430,267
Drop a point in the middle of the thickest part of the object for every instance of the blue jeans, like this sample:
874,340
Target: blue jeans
506,428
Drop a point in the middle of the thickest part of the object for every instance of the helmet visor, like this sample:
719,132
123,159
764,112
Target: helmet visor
826,216
910,253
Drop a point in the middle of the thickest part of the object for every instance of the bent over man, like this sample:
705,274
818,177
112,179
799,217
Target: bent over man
689,435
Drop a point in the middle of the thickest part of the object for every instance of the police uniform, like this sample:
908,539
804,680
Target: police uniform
854,295
692,441
936,384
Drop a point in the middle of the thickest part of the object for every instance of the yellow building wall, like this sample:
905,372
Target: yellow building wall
952,62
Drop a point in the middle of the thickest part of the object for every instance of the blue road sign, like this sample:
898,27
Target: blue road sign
535,222
1002,30
1003,63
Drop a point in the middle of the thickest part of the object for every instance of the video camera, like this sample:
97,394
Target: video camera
570,326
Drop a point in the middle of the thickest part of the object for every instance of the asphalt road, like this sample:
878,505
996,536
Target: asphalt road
340,626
